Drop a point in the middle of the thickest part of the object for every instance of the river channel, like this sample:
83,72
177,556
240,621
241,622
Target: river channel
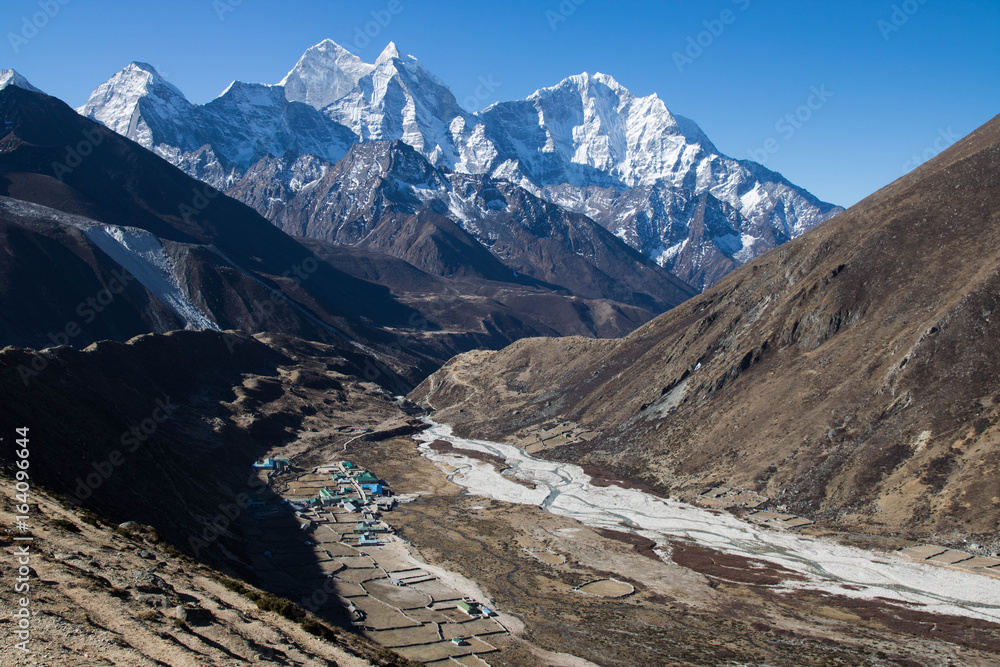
564,489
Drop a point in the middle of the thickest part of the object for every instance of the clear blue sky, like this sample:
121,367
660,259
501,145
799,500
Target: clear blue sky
929,71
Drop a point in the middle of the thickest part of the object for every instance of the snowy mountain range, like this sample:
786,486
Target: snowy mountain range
587,144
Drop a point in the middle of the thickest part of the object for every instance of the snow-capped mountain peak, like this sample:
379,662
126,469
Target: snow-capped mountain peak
590,130
324,74
139,79
116,101
388,53
11,77
393,98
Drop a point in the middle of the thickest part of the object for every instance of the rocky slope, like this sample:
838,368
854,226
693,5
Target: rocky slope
108,595
586,144
850,375
387,197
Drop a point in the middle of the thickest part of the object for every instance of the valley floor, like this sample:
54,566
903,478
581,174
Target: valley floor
565,489
688,604
345,556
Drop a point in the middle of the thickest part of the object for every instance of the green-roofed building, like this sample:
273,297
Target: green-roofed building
366,527
472,609
367,477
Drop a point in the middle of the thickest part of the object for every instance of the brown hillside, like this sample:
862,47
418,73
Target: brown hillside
851,375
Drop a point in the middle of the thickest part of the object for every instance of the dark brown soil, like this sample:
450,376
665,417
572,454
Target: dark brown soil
730,567
601,477
640,544
969,632
444,447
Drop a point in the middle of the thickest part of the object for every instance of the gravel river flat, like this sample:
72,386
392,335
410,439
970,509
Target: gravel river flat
565,489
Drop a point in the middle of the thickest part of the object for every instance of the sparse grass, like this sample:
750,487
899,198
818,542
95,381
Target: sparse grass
234,586
174,552
180,625
314,627
91,518
66,524
286,608
266,601
128,534
148,615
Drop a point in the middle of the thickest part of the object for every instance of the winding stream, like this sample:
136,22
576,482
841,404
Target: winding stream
564,489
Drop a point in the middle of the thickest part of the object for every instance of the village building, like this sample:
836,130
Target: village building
366,527
328,499
470,608
368,539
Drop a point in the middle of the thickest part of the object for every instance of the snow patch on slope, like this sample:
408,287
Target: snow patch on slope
141,254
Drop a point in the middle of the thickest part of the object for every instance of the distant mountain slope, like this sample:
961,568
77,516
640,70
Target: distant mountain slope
387,197
851,375
586,144
472,313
